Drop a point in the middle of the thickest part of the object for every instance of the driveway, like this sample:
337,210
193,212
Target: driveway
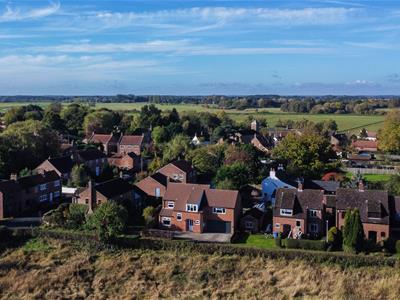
204,237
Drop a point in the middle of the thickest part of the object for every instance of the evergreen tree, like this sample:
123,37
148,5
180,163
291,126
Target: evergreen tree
353,232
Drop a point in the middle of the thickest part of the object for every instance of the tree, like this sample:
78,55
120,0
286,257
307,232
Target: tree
233,176
389,136
73,116
148,216
207,160
176,148
76,216
52,120
155,164
109,220
159,135
335,239
393,185
353,232
150,116
79,176
305,155
100,121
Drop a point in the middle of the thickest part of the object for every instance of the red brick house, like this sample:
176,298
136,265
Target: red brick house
93,159
298,212
11,202
61,165
365,145
153,186
109,142
131,143
129,161
374,210
197,208
179,171
117,190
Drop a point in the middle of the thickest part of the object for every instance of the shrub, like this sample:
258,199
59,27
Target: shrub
56,217
353,232
335,239
398,246
305,244
5,234
278,241
76,215
109,220
389,245
148,215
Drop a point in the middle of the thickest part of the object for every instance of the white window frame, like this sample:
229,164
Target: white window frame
43,198
166,219
43,187
277,225
249,225
191,208
219,210
179,217
157,192
298,226
197,222
286,212
313,226
170,204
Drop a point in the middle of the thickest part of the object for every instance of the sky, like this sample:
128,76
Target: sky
189,47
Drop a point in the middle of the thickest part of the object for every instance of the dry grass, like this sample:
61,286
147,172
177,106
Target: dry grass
63,271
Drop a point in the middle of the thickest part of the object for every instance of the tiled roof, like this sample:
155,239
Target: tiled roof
9,186
150,183
34,180
328,186
166,212
102,138
131,140
114,187
183,165
365,144
222,198
63,164
255,213
372,201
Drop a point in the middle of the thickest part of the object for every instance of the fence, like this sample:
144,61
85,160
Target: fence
372,171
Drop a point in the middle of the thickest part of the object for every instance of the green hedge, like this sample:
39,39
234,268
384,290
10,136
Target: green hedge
305,244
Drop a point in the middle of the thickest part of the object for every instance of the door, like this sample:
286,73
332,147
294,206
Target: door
189,225
372,236
286,230
218,226
51,197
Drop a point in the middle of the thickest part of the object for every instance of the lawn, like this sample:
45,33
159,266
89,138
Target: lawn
346,123
257,241
377,177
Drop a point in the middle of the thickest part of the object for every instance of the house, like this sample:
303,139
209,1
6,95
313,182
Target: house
370,136
109,142
252,137
179,171
251,195
40,190
196,141
197,208
374,210
253,220
153,186
93,159
365,146
61,165
117,190
11,202
131,143
339,141
271,184
128,161
329,187
299,211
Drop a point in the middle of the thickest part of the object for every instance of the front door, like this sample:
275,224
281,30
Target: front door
189,225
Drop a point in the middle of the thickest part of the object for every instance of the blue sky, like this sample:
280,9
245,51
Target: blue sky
199,47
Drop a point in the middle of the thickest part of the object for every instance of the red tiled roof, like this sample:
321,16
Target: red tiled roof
131,140
100,138
365,144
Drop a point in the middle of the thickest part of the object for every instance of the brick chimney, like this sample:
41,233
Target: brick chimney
272,173
300,184
14,176
92,195
361,186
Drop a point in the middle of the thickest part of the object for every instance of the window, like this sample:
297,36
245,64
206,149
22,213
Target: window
56,194
97,171
170,204
43,187
314,227
312,213
277,225
175,176
383,234
286,212
197,222
56,183
158,192
43,198
298,223
166,221
248,225
179,217
219,210
191,207
343,214
87,201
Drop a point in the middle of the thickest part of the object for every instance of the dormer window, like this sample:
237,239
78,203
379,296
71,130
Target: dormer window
219,210
170,204
286,212
191,207
312,213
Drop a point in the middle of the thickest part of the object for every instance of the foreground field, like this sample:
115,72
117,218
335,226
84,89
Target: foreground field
59,270
348,123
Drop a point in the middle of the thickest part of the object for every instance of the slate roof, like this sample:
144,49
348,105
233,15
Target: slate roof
183,165
299,201
255,213
91,154
327,186
34,180
373,201
63,164
114,187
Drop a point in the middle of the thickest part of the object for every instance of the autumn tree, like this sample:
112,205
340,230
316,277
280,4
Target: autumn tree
389,136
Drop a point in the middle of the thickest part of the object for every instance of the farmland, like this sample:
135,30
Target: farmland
346,123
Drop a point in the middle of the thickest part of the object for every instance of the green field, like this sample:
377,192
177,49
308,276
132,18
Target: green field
347,123
257,241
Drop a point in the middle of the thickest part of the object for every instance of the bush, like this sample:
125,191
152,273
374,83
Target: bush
389,245
278,242
398,246
109,219
76,215
5,234
335,239
353,232
305,244
148,215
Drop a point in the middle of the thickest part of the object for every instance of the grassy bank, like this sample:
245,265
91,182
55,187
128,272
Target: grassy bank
52,269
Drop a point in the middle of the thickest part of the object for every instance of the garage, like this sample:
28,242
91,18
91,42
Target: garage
218,226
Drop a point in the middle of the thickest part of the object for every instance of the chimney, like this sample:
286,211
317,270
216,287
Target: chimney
300,184
92,195
272,173
41,171
361,186
14,176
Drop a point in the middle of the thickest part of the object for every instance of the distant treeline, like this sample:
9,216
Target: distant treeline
295,104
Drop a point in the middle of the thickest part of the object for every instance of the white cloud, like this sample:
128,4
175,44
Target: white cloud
17,14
